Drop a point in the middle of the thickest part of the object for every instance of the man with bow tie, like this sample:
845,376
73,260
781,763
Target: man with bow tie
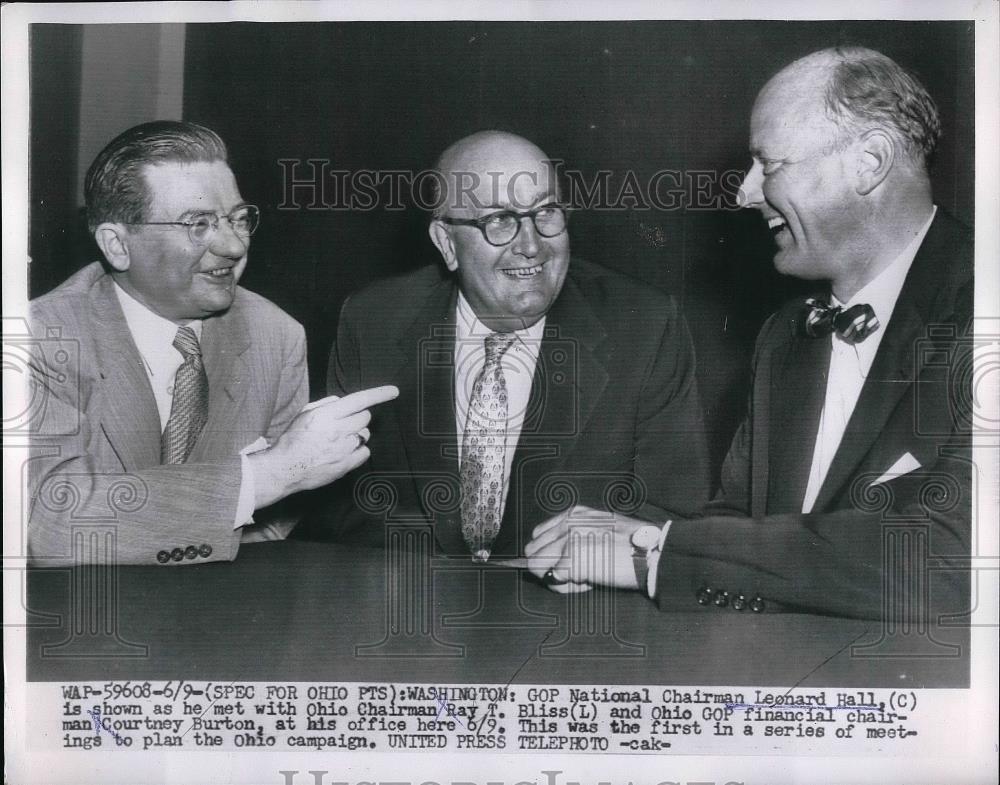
527,380
856,427
170,399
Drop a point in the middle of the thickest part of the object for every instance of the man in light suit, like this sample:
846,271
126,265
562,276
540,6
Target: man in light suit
170,396
527,381
856,424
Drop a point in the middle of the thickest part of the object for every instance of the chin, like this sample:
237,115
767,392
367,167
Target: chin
796,265
217,307
534,307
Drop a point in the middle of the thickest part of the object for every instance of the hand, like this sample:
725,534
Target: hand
545,552
324,442
583,547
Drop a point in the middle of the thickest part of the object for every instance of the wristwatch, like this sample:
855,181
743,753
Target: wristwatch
645,539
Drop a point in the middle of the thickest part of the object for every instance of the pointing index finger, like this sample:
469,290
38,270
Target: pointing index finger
363,399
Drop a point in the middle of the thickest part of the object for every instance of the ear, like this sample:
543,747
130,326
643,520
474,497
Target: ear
876,154
111,238
441,238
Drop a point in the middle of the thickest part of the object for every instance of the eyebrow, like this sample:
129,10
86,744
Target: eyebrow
193,212
541,201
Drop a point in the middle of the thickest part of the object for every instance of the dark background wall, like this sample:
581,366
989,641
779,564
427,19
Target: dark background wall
618,96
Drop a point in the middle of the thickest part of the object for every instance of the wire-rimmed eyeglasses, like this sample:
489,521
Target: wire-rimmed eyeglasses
502,227
202,227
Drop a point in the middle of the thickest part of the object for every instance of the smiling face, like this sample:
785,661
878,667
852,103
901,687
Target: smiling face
165,271
801,182
510,286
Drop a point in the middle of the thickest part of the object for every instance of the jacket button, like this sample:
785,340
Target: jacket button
721,598
704,595
176,554
205,551
163,557
739,602
757,604
190,552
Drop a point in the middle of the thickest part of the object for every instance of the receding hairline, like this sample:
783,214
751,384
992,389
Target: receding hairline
810,76
468,153
486,155
856,87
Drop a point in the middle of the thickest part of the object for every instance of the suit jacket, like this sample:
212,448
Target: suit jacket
96,441
755,542
613,419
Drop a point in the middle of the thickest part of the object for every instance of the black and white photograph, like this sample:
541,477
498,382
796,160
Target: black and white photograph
557,395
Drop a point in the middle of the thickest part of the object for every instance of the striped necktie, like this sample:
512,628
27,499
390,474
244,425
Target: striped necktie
189,409
853,324
484,451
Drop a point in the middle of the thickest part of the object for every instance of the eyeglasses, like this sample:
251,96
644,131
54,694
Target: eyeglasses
202,227
502,227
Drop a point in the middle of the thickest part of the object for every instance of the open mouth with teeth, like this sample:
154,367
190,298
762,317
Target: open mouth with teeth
523,272
222,273
777,225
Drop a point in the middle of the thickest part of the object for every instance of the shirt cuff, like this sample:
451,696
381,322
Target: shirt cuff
653,561
248,490
270,531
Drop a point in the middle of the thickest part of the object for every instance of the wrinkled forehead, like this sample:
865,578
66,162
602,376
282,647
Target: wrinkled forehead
493,179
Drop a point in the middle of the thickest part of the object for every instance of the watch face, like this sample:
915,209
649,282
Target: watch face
646,537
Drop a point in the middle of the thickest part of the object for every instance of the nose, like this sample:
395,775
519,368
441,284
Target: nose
751,192
227,243
526,242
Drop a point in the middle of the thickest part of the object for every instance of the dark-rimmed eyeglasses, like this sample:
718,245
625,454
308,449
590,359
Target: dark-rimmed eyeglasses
502,227
202,227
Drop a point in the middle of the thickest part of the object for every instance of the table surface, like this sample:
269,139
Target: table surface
300,611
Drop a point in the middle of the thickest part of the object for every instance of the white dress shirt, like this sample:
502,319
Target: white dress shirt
518,364
850,363
849,366
154,338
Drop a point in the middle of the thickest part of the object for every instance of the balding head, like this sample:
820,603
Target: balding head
500,228
840,140
490,167
858,89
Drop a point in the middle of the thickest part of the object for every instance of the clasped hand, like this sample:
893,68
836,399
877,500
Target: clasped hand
581,548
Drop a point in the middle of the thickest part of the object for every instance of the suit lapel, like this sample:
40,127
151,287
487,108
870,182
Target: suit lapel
129,417
892,372
798,390
427,407
224,342
570,378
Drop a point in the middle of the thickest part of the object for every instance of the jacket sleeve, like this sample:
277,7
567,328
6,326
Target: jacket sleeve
885,555
83,509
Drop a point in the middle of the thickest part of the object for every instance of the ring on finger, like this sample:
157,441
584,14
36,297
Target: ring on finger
550,579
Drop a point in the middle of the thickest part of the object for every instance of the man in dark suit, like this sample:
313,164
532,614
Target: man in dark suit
169,396
528,382
854,453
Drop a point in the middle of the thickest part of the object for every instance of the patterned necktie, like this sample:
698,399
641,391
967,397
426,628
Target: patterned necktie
189,409
853,324
484,451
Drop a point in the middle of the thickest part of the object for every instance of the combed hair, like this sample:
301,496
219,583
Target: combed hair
115,189
868,89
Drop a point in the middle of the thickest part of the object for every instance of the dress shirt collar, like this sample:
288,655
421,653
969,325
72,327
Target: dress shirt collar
471,329
153,335
882,292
